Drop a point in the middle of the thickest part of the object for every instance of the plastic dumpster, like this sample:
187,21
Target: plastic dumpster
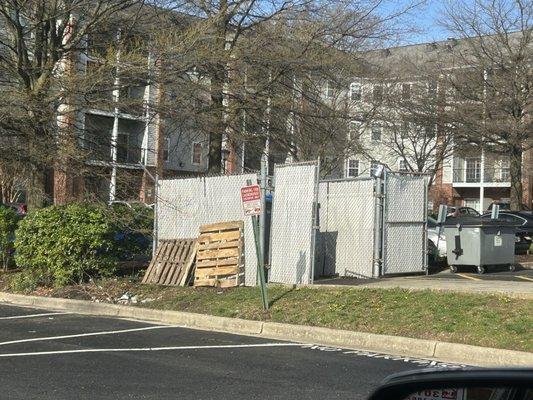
474,242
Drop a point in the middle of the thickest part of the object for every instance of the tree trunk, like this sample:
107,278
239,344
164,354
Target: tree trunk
516,178
36,189
217,129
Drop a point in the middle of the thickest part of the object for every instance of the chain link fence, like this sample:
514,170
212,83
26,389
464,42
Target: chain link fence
404,223
186,204
362,227
347,221
294,223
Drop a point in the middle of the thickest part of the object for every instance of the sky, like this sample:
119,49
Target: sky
424,18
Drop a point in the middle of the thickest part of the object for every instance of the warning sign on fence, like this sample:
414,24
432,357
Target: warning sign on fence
251,200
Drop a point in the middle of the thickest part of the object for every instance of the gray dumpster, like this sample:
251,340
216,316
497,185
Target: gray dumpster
479,243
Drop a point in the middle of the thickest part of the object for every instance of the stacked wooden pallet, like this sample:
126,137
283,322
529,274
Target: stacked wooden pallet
172,263
219,260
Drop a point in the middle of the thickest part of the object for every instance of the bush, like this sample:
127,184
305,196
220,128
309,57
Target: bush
65,244
134,229
8,224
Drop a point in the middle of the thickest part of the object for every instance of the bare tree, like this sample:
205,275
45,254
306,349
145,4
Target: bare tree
410,109
39,45
253,72
491,80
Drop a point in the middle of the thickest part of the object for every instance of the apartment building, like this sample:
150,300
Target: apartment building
379,103
125,136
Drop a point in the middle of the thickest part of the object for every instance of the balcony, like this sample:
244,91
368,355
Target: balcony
471,177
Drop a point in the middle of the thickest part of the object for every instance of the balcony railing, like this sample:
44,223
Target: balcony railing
473,175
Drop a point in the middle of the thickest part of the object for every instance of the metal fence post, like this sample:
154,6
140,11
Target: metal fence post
378,227
260,264
262,217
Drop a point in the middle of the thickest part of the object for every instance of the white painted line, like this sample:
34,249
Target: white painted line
39,339
226,346
34,315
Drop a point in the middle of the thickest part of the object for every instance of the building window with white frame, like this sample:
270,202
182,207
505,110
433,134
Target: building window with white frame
355,91
402,165
330,90
473,169
197,153
505,172
374,165
354,128
352,168
376,133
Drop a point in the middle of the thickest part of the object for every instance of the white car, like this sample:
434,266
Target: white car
436,242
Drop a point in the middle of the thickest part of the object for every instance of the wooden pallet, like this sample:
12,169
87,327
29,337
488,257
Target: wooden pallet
219,256
172,263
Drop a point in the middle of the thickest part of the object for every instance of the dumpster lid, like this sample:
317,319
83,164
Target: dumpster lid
473,221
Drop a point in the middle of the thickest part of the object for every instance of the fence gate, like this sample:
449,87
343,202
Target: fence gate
404,223
345,244
293,223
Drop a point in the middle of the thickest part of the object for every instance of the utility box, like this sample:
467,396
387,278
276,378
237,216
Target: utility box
479,243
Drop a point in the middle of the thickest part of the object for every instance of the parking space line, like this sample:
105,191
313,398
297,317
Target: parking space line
222,346
524,278
469,277
39,339
34,315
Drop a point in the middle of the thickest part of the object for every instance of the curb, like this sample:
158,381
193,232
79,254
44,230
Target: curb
394,345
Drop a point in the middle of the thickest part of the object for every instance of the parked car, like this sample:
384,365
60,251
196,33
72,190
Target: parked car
436,242
505,206
454,211
524,231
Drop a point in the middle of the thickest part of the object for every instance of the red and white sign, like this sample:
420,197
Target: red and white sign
251,200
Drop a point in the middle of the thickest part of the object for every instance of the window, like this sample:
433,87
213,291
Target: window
406,91
472,203
352,169
376,133
377,93
355,91
166,149
374,165
330,90
196,153
354,130
505,173
402,166
473,169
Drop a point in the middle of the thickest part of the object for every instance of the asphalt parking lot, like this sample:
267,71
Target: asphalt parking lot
493,274
50,355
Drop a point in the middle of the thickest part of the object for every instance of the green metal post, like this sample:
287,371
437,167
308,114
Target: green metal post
260,260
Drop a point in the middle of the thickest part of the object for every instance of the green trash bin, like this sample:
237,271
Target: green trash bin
480,243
